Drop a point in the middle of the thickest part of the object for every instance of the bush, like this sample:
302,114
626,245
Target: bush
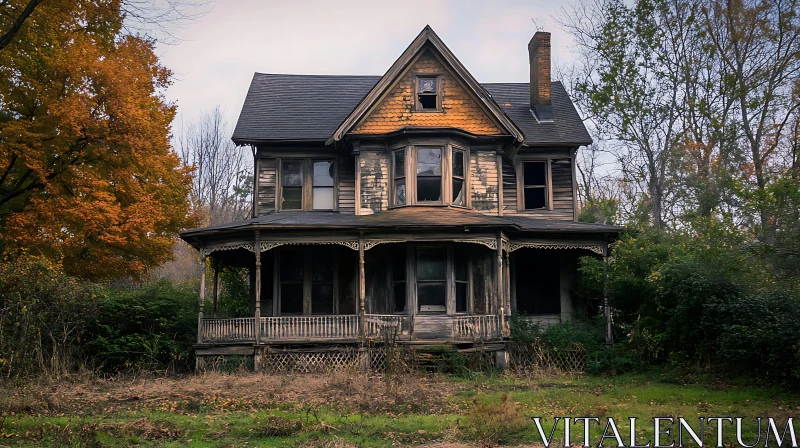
491,423
44,315
149,328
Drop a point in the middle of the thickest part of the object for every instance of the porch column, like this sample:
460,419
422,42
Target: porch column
215,293
362,286
257,320
606,307
202,296
499,276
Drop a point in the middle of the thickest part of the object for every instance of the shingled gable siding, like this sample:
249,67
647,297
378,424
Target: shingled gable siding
267,169
374,166
459,110
483,177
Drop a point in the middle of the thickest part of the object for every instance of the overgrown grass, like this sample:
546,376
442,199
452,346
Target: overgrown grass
359,410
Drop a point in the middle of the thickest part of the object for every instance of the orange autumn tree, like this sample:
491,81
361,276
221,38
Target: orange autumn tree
87,173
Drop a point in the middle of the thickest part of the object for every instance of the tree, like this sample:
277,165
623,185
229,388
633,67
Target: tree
223,180
17,20
87,174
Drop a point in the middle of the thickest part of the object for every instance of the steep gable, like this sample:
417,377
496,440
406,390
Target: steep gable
397,109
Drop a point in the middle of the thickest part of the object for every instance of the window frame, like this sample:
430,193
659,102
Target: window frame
415,87
307,201
410,175
548,190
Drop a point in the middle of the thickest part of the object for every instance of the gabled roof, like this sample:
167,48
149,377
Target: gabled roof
427,37
311,107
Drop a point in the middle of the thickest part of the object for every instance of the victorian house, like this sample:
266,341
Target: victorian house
420,204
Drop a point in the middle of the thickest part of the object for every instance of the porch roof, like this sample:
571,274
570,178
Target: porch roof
420,217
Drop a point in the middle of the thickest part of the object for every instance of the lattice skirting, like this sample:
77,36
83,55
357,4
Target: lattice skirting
535,357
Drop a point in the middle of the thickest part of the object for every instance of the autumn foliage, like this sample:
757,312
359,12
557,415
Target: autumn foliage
87,173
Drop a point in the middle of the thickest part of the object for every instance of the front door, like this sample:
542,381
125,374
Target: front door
432,279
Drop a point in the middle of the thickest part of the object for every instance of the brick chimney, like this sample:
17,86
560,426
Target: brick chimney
539,56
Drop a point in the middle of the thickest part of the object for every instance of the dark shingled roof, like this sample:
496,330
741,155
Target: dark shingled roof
311,107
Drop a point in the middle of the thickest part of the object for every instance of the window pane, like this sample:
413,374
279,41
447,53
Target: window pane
462,263
292,198
426,85
322,266
292,174
427,101
429,189
322,299
461,297
291,265
431,263
458,192
323,173
322,198
399,297
399,264
534,173
400,192
291,298
433,295
429,161
458,163
399,163
534,197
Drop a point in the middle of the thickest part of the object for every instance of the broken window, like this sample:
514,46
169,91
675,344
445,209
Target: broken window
292,183
322,185
427,93
400,177
458,177
534,184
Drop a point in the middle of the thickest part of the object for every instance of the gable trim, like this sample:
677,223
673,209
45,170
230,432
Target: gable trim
405,62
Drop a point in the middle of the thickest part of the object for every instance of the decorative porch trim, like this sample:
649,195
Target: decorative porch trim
233,246
512,246
491,243
369,244
269,245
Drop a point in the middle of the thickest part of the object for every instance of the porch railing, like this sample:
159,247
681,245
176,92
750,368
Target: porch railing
477,327
228,330
383,325
310,327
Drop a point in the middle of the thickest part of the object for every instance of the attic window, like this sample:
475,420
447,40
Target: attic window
428,93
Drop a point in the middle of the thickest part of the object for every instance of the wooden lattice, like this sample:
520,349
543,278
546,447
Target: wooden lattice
535,356
313,362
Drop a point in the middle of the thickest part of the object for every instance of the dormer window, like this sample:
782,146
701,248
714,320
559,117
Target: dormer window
428,98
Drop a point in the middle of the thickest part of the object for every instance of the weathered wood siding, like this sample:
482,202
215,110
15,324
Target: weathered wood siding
483,178
509,187
374,166
396,111
347,185
267,176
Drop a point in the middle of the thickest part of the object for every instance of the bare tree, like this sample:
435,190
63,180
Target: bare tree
223,173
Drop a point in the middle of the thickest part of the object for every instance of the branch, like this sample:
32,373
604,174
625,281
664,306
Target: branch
6,38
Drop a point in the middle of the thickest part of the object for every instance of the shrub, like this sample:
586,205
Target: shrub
491,423
43,317
149,328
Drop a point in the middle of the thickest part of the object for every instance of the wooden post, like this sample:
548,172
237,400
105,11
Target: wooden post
216,289
606,306
202,296
257,321
499,276
362,286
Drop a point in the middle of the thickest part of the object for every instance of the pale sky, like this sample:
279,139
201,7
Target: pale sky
215,56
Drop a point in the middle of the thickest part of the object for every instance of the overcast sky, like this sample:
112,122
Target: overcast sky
215,56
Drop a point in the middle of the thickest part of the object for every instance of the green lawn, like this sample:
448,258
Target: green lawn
341,409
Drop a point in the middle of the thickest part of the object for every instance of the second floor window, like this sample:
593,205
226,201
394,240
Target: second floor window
534,184
307,184
429,175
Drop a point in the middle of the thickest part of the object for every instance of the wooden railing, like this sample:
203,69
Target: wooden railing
477,327
310,327
228,330
386,325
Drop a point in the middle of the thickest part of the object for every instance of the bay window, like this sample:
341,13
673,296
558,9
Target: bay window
422,175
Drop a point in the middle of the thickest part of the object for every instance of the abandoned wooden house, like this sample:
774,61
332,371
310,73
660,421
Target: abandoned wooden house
419,204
